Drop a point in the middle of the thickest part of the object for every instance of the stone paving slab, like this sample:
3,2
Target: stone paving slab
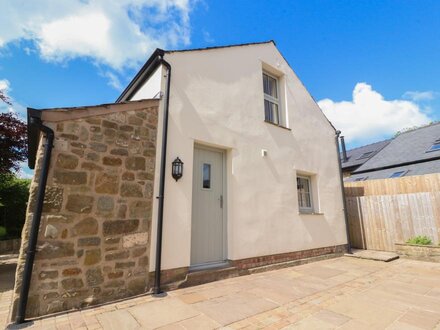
342,293
373,255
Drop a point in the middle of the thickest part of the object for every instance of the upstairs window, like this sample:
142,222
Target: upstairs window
271,99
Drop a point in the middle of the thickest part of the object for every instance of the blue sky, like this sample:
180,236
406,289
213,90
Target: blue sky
373,66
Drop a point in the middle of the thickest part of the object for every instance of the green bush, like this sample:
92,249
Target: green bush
420,240
2,232
14,194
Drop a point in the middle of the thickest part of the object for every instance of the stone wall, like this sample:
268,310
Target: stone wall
10,246
419,252
93,243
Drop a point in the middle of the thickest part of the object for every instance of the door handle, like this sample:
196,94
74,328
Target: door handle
221,201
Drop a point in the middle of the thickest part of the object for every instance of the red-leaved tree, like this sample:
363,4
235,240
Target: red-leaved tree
13,142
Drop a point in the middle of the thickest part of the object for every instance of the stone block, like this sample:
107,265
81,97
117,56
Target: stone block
71,271
93,156
86,227
137,285
94,277
53,199
118,227
79,203
99,147
109,124
117,255
51,231
89,241
48,274
67,161
127,264
119,152
114,275
105,204
128,176
72,283
55,249
106,183
132,240
129,189
139,209
91,166
112,161
70,178
135,163
92,257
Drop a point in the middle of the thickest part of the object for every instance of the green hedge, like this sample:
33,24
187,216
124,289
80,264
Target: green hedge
14,194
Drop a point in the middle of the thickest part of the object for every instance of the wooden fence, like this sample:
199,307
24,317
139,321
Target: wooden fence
388,211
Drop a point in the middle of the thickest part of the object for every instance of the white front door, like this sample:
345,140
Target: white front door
208,228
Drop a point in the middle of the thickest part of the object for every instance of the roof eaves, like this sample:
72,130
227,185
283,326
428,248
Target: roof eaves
218,47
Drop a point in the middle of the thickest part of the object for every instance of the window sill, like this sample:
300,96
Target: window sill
310,213
283,127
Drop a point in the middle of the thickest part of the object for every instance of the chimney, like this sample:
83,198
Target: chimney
344,151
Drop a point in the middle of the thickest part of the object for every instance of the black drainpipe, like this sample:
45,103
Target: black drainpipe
33,236
347,231
163,158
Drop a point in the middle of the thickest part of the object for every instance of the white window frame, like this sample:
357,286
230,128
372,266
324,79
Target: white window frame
306,209
272,99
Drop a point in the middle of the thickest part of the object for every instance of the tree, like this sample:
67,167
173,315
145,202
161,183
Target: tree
13,142
4,98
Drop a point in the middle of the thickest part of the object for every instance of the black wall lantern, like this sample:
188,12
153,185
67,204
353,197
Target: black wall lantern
177,168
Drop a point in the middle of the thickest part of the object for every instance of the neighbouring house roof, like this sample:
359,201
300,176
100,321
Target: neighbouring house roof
414,169
358,156
409,152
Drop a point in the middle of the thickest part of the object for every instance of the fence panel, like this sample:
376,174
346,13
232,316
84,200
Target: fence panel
384,212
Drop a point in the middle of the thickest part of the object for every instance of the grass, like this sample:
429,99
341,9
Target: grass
420,240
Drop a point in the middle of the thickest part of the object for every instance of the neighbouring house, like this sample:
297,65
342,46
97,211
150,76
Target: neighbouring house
354,158
213,162
413,152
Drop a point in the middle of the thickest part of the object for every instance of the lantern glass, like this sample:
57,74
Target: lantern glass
177,169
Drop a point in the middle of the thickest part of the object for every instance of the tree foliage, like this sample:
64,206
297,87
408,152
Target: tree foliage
4,98
14,195
13,142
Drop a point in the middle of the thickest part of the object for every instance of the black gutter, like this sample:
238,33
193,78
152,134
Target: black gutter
419,161
35,122
163,159
155,60
347,230
144,73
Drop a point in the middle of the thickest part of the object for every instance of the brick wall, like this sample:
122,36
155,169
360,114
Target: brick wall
93,243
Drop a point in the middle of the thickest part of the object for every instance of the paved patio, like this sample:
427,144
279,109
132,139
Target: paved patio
343,293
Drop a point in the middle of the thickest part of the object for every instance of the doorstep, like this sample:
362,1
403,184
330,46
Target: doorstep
373,255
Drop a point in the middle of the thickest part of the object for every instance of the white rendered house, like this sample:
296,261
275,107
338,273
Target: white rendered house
261,182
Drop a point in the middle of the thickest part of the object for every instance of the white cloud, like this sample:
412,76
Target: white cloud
369,117
116,33
15,107
420,96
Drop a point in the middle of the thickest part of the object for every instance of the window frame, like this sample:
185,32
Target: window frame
435,146
272,99
309,181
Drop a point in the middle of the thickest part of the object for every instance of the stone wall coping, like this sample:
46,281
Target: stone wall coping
62,114
432,246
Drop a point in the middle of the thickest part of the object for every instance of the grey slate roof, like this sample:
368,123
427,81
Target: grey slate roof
353,155
415,169
411,146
